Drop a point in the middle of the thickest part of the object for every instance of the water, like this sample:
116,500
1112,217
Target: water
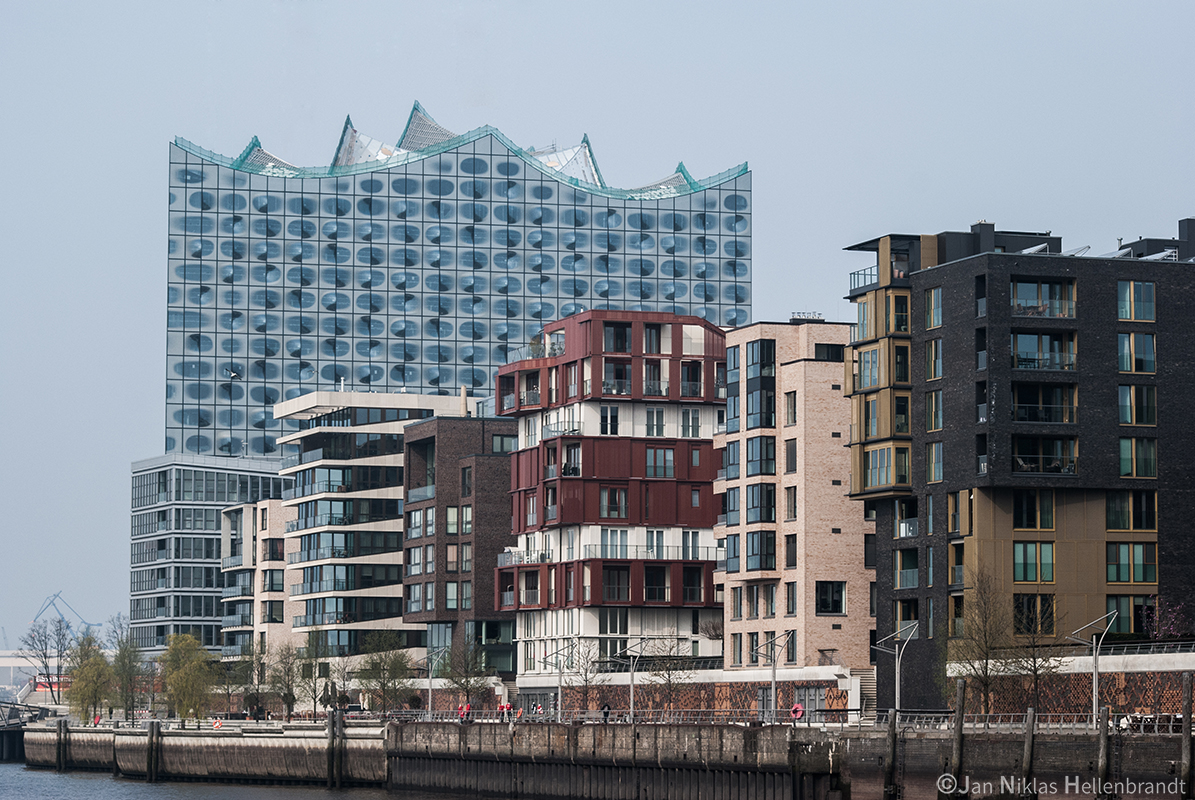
20,783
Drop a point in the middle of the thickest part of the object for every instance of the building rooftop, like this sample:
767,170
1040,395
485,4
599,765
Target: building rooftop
423,137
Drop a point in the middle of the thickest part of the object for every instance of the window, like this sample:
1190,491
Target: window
450,596
761,358
655,422
690,423
871,417
829,352
761,455
877,467
933,410
651,338
1032,509
736,602
414,598
790,406
1136,352
790,502
769,600
731,506
415,561
1135,300
695,457
429,559
933,307
753,647
452,521
761,550
933,359
900,413
695,498
752,597
613,502
429,597
869,551
1138,458
869,369
466,520
900,313
736,649
1138,405
732,553
830,597
466,595
609,421
1034,298
467,557
761,502
1033,562
616,337
900,361
933,462
1135,510
1134,614
1033,614
505,443
1132,563
659,462
730,460
466,481
790,550
790,455
790,598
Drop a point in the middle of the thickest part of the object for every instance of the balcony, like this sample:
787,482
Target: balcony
235,650
1057,415
957,628
232,561
529,398
694,594
981,359
318,487
303,523
865,277
981,465
532,519
719,427
236,620
616,387
690,388
549,513
655,389
641,553
616,594
302,458
981,307
529,597
1043,361
508,402
550,472
537,349
1050,309
981,412
330,618
906,578
1056,465
956,575
906,528
239,590
507,599
560,429
510,558
656,594
421,493
570,470
720,389
304,556
330,585
721,476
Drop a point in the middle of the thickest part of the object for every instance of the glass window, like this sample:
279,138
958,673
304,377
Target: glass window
1134,510
1033,562
466,481
877,467
1130,562
1033,614
1136,352
933,462
830,597
655,422
900,364
659,462
609,421
790,407
1138,458
732,553
1138,405
933,410
761,502
761,550
1033,509
869,368
790,598
933,359
933,307
1135,300
730,460
761,455
900,412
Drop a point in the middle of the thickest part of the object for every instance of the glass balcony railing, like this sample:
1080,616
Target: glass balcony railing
236,620
529,597
957,627
510,558
304,556
1058,415
956,575
906,579
656,594
693,594
508,402
655,389
507,599
550,472
616,594
330,585
906,528
664,553
234,650
690,388
303,523
421,493
529,398
303,458
560,429
1057,309
616,387
1057,465
318,487
549,512
232,561
865,277
1051,361
238,590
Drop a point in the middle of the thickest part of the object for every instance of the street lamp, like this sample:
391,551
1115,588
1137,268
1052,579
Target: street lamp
1097,639
556,656
768,650
898,649
630,651
434,655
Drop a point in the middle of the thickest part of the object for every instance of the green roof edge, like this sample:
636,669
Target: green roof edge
348,125
593,158
238,162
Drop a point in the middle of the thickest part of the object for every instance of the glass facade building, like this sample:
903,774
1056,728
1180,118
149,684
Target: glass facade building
415,267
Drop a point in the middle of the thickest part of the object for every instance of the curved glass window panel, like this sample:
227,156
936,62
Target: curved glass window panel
372,185
574,286
506,284
541,285
705,270
705,292
438,353
507,237
198,444
369,373
339,278
263,323
641,221
404,328
507,168
438,328
299,348
735,248
190,175
202,295
230,392
474,212
541,192
371,302
305,229
507,308
641,241
474,235
439,234
475,190
371,231
508,260
404,303
735,269
573,263
404,257
541,216
370,326
735,202
266,346
705,222
302,206
440,187
234,249
674,269
338,206
334,301
232,226
438,304
262,420
675,310
439,209
607,265
405,186
334,348
473,330
707,313
439,259
333,372
233,297
234,202
371,206
204,201
299,252
575,240
705,245
540,310
187,319
575,217
673,290
266,395
405,233
735,316
231,321
568,309
641,266
674,222
735,223
266,204
674,245
265,273
335,326
200,248
405,209
644,290
511,190
607,288
198,343
405,351
474,305
541,262
262,251
267,227
404,375
371,256
508,214
610,242
607,218
540,239
404,280
473,284
263,370
474,166
441,282
371,278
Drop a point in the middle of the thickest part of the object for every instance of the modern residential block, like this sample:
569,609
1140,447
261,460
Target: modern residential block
257,609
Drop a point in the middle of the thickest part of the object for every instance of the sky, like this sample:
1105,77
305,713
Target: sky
857,120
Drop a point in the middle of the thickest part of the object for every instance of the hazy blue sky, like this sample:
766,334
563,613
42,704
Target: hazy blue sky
857,121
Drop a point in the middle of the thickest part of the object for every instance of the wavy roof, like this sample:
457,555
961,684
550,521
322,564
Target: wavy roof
424,137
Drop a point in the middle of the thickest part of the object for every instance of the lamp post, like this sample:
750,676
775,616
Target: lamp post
1097,640
768,650
433,655
629,651
898,650
569,646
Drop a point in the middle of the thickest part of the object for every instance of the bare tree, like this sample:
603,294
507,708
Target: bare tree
36,649
1035,656
127,669
712,629
587,671
284,675
230,676
669,669
313,668
385,670
980,651
465,670
1167,620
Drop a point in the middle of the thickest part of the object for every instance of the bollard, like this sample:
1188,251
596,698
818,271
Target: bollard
956,749
331,748
890,788
1102,764
339,748
1185,774
1027,759
153,746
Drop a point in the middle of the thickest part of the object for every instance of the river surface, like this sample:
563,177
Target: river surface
17,782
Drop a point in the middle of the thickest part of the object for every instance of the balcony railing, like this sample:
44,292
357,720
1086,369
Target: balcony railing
694,594
507,599
549,512
234,650
550,472
1057,465
303,458
317,555
553,347
981,412
304,523
1059,415
232,561
509,558
665,553
690,388
508,402
906,578
616,387
865,277
981,465
420,493
529,398
721,476
719,427
1051,361
981,359
981,306
957,628
532,519
236,620
656,594
239,590
330,585
570,470
906,528
616,594
318,487
560,429
529,597
329,618
655,389
1058,309
956,575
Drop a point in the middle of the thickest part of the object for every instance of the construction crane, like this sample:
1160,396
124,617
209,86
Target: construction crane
52,602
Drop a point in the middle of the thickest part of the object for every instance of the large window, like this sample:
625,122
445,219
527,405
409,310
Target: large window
1032,509
933,410
1138,405
761,358
761,408
690,423
730,460
1053,351
761,455
790,406
1135,300
1134,613
877,467
1138,458
761,502
1132,563
659,462
933,307
790,502
761,550
900,360
933,462
1135,352
655,422
869,369
1033,562
609,421
1033,298
613,502
1033,614
1135,510
933,359
732,553
731,506
830,597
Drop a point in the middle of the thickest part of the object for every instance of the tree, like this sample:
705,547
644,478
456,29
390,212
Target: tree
1035,656
45,646
669,670
284,670
313,667
255,667
465,670
187,670
587,671
385,670
980,651
1166,620
231,678
127,669
91,677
